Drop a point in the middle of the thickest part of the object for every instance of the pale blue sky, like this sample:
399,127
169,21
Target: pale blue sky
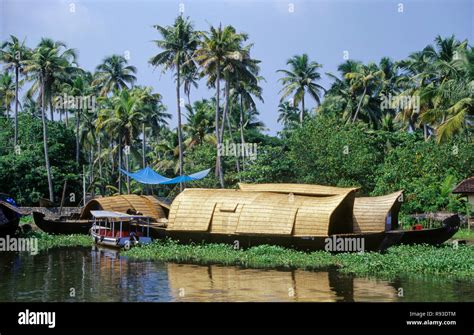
367,29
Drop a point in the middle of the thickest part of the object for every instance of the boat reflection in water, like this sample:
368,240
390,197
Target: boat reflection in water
102,275
219,283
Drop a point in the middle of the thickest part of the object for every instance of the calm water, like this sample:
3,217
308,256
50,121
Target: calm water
102,275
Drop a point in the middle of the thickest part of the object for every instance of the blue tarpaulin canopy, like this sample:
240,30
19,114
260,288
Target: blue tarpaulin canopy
149,176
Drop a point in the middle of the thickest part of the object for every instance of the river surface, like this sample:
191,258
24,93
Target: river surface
90,274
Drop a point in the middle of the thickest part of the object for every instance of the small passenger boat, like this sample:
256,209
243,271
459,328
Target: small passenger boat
120,230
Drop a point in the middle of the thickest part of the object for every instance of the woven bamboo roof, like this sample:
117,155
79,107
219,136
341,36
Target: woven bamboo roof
146,205
260,213
370,213
303,189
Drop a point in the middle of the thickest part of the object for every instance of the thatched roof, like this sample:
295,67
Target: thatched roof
303,189
144,204
465,187
260,213
370,213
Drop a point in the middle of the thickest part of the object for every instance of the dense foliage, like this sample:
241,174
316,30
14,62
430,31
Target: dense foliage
22,172
384,126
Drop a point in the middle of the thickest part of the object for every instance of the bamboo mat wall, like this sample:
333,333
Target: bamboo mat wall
239,212
370,213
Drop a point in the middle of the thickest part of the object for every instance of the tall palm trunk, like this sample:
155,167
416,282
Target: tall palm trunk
91,170
120,165
302,110
16,107
237,163
180,140
189,98
78,144
144,145
226,109
127,160
45,141
359,105
219,170
51,111
66,116
242,138
99,158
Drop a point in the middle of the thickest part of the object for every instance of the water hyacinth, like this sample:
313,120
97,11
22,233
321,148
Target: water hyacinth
416,260
47,241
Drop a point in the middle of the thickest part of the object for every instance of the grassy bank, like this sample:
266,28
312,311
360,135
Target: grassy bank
47,241
406,260
464,234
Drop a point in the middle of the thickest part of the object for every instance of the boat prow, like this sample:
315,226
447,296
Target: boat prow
430,236
61,225
9,218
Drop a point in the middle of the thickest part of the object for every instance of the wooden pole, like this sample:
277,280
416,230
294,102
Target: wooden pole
84,184
62,197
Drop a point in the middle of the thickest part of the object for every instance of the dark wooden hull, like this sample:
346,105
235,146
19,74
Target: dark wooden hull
10,225
62,226
434,236
372,241
9,228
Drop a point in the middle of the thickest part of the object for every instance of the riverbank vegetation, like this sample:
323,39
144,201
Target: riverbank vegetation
445,260
382,126
47,241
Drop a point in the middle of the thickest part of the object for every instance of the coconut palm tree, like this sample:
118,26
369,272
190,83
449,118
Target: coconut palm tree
61,64
287,114
219,52
122,122
114,74
13,53
7,92
190,75
246,94
48,59
80,86
177,45
31,107
154,115
301,77
198,128
364,78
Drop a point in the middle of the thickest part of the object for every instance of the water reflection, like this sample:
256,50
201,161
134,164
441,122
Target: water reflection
198,283
82,274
